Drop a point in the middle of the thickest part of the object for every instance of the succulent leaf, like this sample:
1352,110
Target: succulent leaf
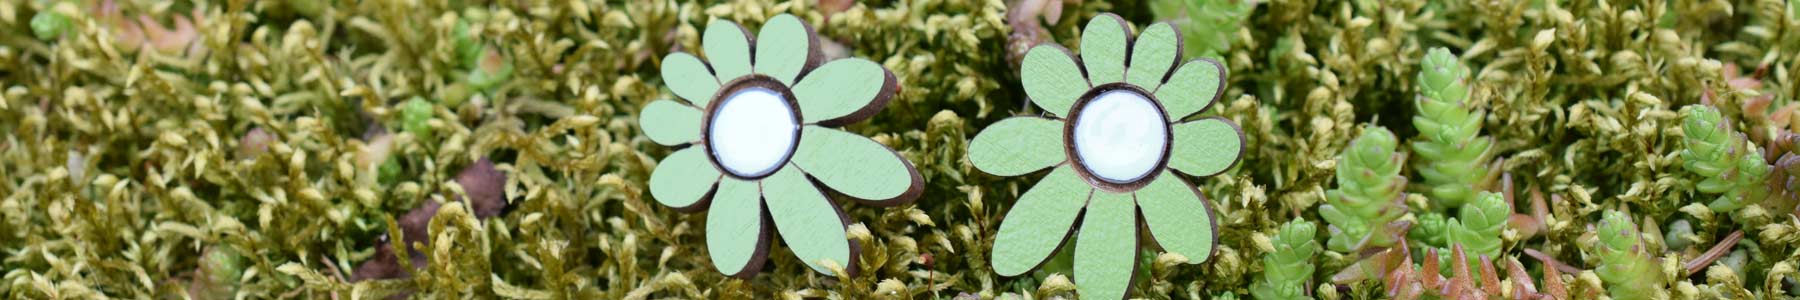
1477,227
1289,267
1209,27
48,25
1454,155
1430,229
415,118
1369,194
1629,273
1727,164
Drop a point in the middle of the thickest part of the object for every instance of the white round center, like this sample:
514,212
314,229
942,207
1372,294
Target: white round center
753,132
1120,136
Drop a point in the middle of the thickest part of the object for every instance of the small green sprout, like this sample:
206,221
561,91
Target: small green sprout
1454,155
415,118
1730,167
48,25
1625,267
1289,267
221,268
491,69
1794,12
468,46
1210,26
1369,195
488,65
1429,229
389,171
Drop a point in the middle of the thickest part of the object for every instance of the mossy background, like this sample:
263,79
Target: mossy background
140,173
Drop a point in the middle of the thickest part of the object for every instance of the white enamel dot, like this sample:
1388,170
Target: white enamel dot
1120,136
753,132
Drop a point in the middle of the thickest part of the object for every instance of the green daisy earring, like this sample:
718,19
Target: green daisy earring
756,133
1114,134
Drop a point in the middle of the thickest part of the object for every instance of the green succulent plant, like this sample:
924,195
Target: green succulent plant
221,268
1793,10
415,118
1477,227
468,46
491,68
1453,153
487,66
1429,228
47,25
1626,268
388,172
1210,26
1370,193
1287,269
1729,166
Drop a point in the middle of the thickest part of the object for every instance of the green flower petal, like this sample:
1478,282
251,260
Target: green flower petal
784,47
735,234
1039,222
1103,46
810,224
844,91
1192,88
683,179
1018,145
728,49
670,123
1206,147
857,166
689,78
1052,79
1106,248
1178,217
1153,55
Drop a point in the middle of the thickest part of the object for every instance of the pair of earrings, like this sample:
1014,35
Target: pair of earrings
757,139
